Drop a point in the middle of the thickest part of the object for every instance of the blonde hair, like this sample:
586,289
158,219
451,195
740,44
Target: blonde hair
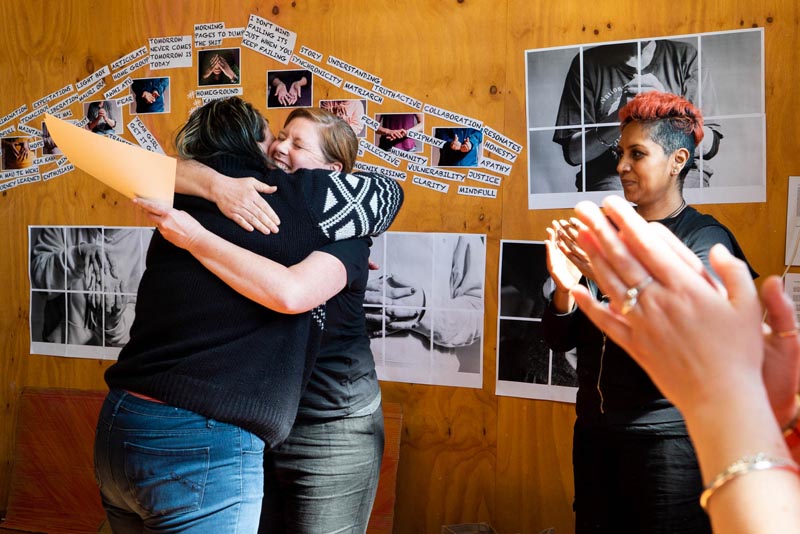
338,142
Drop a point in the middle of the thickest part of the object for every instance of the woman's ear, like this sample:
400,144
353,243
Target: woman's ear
681,156
335,166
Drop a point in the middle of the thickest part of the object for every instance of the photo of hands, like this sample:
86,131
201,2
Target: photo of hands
424,307
350,110
83,283
17,153
289,88
574,95
104,117
462,147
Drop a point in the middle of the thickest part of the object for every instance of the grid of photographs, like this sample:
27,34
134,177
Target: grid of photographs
574,95
84,281
425,307
526,367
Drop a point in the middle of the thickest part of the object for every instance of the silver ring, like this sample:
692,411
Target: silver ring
632,295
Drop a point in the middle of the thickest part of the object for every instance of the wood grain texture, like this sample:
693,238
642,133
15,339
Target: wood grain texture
466,456
53,488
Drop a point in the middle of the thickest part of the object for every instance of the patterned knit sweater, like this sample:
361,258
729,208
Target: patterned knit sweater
199,345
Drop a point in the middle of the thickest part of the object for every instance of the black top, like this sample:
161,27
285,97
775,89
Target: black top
629,397
199,345
344,380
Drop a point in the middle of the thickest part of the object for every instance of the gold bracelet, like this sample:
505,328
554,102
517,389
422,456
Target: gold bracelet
744,466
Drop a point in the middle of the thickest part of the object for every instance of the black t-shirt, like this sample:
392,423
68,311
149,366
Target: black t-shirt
629,399
343,379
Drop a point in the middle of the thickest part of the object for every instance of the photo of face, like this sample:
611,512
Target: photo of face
218,66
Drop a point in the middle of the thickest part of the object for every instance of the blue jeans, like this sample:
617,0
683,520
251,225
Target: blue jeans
164,469
324,477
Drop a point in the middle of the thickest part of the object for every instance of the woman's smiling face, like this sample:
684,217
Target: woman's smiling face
644,169
297,147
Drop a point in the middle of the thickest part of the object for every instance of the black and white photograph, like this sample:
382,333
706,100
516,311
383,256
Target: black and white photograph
424,307
289,88
526,367
83,283
574,95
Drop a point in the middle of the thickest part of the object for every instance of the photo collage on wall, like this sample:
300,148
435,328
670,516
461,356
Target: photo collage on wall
84,281
424,307
574,95
430,148
526,367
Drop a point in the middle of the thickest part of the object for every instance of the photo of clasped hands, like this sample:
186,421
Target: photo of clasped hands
101,281
703,342
404,301
459,146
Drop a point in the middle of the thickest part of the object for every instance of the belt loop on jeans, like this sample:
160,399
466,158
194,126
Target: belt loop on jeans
118,404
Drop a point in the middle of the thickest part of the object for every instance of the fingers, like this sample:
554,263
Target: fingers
614,266
683,252
400,325
375,284
242,221
653,255
735,276
399,315
266,216
393,280
778,305
373,298
399,292
261,187
606,275
151,206
255,219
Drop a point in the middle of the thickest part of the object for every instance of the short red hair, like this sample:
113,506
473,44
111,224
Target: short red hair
657,106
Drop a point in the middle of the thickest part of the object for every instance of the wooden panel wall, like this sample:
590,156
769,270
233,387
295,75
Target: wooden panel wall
467,455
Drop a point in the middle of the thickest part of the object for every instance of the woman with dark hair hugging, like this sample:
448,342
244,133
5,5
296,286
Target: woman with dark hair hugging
211,375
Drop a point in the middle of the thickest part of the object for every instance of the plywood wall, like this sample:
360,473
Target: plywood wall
467,455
